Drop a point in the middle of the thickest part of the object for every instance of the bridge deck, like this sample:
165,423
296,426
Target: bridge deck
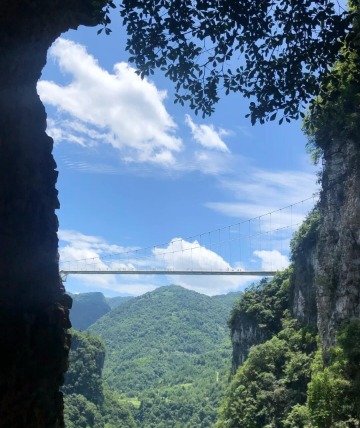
167,272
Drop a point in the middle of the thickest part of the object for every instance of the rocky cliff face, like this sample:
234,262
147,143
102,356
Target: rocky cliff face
33,306
302,283
245,334
257,316
337,256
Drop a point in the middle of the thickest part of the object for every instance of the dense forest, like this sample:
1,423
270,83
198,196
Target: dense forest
167,361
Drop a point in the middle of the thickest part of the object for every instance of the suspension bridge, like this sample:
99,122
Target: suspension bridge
255,247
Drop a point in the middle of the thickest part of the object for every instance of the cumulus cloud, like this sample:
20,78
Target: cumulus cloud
75,131
118,108
181,254
126,113
79,251
272,260
85,252
207,136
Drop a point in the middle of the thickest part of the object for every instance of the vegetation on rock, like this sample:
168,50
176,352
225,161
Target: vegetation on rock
285,382
88,402
334,390
305,237
264,303
270,385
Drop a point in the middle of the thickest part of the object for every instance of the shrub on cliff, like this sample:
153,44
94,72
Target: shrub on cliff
271,383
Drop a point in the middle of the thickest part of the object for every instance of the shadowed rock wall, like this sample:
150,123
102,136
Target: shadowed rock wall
34,310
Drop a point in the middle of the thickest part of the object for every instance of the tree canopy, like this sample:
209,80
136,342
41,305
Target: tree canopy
275,52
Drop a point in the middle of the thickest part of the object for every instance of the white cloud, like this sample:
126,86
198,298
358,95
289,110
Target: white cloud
280,193
128,114
273,188
207,136
268,206
183,255
85,252
213,163
86,242
75,131
97,168
270,218
119,109
272,260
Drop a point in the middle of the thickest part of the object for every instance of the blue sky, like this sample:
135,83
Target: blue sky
136,171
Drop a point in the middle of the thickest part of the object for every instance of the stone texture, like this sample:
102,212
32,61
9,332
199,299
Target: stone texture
34,310
245,334
337,258
303,289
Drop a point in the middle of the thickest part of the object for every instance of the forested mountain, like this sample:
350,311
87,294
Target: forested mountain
168,353
114,302
87,308
158,331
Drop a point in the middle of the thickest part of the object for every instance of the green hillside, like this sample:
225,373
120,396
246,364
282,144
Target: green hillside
168,351
114,302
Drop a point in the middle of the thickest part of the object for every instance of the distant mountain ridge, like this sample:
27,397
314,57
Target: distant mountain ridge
89,307
114,302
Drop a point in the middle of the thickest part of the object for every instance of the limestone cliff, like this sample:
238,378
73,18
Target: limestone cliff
337,257
325,280
257,316
245,334
33,306
333,127
302,282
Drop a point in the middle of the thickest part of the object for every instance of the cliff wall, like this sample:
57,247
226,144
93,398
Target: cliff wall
257,316
324,284
34,310
337,255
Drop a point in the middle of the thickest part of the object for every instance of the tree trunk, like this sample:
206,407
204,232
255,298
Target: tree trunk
33,306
